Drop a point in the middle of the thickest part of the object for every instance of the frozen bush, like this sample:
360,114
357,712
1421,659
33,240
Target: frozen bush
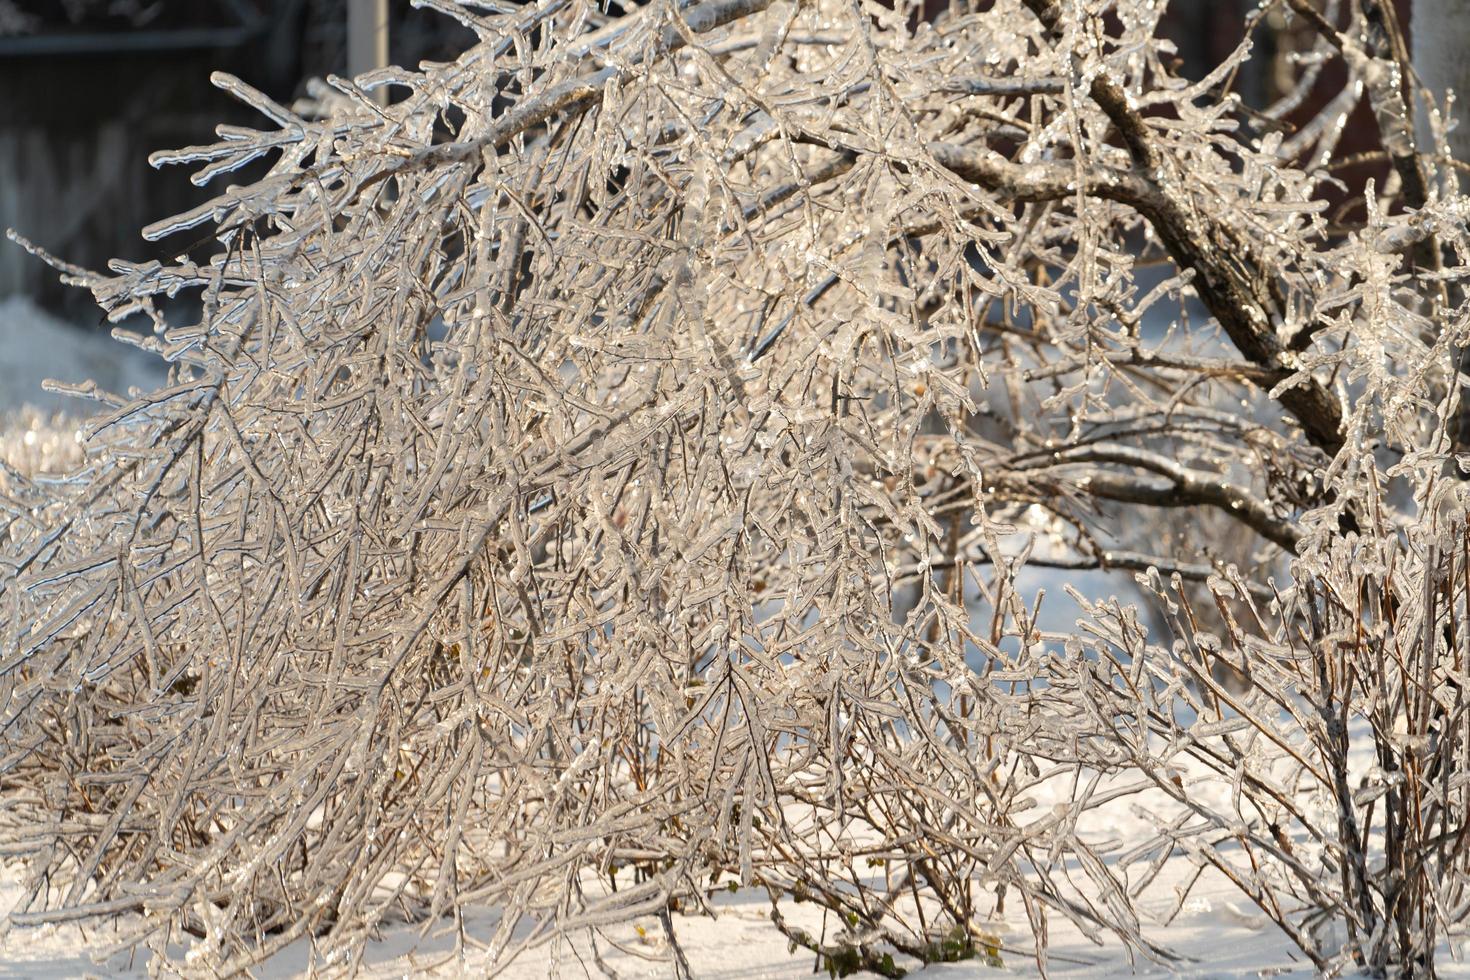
604,474
1340,751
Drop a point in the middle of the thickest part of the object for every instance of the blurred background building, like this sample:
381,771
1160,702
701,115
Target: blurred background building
88,88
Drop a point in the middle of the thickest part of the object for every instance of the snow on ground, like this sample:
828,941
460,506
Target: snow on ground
34,345
38,427
1217,935
1214,932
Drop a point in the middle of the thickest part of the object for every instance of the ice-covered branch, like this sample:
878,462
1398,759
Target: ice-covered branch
1200,243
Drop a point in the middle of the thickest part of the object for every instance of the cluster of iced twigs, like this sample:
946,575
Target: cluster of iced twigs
1338,717
595,476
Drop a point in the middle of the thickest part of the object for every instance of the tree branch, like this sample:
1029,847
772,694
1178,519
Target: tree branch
572,96
1188,490
1196,243
1038,182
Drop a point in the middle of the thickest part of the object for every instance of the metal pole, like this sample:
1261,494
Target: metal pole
367,36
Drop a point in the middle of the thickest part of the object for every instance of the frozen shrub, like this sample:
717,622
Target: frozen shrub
604,475
1338,757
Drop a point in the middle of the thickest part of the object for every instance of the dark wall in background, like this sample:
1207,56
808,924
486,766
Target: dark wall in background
88,88
1207,31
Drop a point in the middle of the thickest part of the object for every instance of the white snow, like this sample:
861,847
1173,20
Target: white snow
1214,932
1217,934
34,346
38,427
